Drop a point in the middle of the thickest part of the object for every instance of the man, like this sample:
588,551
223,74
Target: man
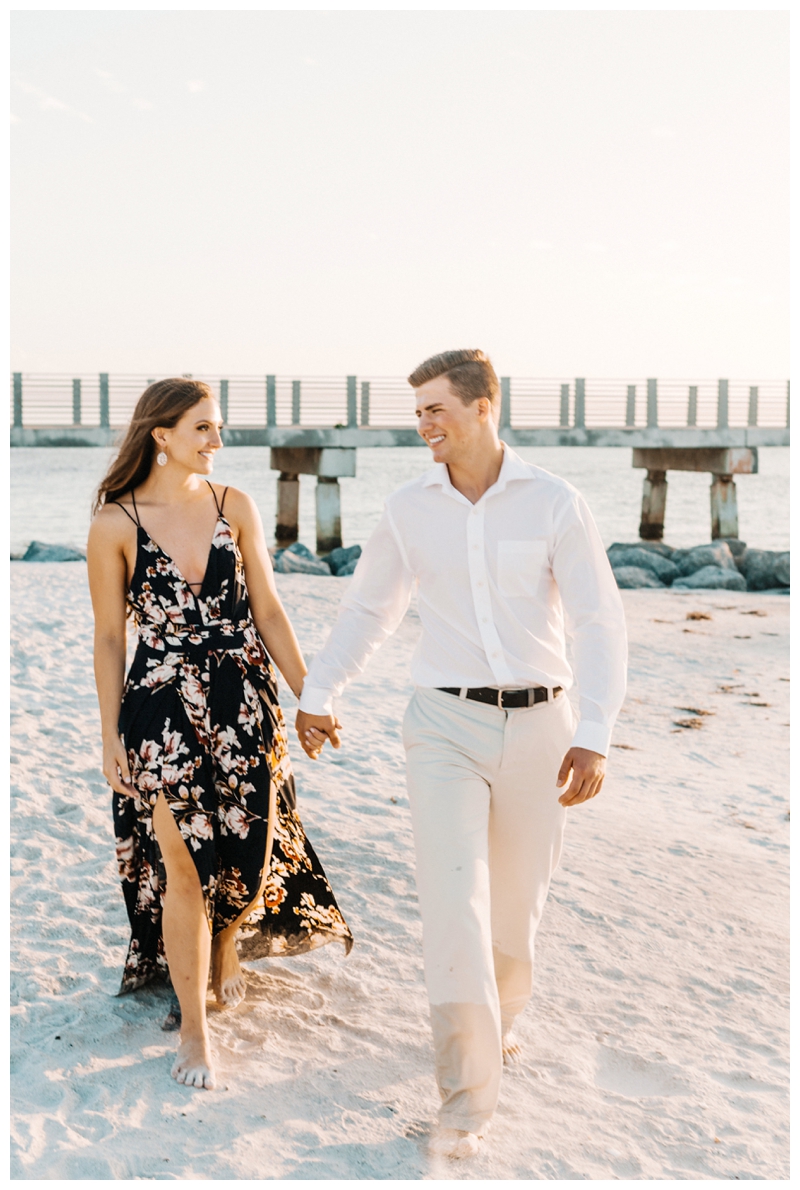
507,558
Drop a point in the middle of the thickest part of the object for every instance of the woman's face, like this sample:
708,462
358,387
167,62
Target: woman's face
194,440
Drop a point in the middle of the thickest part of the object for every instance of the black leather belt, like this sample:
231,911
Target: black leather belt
505,699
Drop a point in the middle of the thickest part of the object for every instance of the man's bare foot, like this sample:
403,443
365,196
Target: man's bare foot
193,1066
512,1050
455,1142
227,977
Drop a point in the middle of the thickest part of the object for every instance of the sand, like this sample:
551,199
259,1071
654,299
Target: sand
656,1043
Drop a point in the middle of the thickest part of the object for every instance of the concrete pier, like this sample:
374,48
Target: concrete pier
722,463
329,464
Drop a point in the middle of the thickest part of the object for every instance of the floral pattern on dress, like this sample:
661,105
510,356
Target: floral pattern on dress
201,724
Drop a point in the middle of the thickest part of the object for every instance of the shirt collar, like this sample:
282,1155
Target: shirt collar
512,467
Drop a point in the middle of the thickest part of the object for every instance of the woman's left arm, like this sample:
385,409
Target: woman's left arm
269,616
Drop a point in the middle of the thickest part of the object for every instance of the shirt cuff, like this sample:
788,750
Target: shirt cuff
594,736
315,700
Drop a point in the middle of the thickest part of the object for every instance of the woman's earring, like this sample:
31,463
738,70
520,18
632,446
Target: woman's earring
161,458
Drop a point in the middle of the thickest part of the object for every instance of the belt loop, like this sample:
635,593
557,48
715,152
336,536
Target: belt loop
462,693
531,696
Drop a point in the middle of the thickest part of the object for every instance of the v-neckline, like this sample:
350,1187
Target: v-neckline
174,564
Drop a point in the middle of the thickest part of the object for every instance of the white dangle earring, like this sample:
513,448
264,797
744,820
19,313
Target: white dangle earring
161,458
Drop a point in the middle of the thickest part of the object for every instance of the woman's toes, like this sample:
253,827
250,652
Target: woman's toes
234,990
192,1066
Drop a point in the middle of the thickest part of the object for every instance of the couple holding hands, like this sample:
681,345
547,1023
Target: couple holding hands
213,858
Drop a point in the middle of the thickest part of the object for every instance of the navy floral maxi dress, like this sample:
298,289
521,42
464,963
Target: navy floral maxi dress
201,723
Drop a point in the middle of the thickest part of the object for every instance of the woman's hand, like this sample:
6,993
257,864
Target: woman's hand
115,767
314,730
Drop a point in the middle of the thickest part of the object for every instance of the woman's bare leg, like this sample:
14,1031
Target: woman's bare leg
227,977
187,942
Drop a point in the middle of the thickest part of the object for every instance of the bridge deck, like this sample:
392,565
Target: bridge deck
310,436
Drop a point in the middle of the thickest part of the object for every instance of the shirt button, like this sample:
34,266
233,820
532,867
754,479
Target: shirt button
494,654
480,584
486,621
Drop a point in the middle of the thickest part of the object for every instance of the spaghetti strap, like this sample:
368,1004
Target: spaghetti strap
135,509
216,501
127,514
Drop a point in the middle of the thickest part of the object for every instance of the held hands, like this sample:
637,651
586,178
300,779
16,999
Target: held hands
115,767
314,730
588,769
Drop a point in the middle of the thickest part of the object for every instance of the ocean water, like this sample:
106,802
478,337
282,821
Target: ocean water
51,492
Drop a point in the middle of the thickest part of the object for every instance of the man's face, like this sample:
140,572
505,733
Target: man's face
449,427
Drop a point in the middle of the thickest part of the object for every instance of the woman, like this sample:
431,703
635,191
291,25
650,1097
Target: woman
194,741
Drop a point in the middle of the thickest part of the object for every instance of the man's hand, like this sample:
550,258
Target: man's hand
588,769
314,730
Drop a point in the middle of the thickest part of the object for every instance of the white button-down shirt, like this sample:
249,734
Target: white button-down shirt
501,583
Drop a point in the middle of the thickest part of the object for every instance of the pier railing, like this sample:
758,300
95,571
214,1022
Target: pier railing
107,400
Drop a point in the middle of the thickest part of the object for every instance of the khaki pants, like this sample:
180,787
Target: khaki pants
488,830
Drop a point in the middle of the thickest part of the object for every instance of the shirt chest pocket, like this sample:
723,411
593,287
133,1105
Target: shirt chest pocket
521,565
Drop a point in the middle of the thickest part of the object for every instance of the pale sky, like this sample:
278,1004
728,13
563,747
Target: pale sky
579,193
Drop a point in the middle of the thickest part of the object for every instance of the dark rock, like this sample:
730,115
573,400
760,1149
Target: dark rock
347,569
765,569
736,547
631,577
302,551
657,547
647,560
717,553
298,559
40,551
340,560
720,578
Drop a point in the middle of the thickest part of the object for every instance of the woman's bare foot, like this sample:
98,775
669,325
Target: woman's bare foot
227,977
455,1142
512,1050
193,1066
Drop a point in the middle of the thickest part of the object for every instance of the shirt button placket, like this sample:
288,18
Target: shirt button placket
480,588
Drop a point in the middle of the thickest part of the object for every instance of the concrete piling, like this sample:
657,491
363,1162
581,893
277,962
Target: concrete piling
329,514
724,509
328,463
654,506
722,462
286,522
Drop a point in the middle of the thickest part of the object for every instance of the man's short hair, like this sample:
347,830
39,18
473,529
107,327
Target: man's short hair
470,373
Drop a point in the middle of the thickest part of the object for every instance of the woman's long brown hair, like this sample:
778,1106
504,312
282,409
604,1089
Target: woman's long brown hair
162,404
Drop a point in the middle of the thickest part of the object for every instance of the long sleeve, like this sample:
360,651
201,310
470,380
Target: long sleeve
371,611
595,619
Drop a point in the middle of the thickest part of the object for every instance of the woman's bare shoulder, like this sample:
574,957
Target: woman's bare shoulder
237,503
111,525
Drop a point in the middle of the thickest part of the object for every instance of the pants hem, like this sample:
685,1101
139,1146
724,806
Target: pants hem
478,1125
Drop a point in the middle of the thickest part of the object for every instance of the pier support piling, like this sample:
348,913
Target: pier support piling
329,514
654,506
722,462
328,463
286,523
724,510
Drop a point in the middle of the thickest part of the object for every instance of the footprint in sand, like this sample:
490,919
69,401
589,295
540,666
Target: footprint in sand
635,1077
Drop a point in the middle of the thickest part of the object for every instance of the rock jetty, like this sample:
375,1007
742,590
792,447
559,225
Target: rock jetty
726,564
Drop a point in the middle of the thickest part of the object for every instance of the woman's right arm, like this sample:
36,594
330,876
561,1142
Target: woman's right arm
108,571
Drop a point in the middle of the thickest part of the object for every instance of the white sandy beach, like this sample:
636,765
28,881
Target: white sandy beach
656,1044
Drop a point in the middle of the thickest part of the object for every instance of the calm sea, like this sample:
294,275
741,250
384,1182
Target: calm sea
51,492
